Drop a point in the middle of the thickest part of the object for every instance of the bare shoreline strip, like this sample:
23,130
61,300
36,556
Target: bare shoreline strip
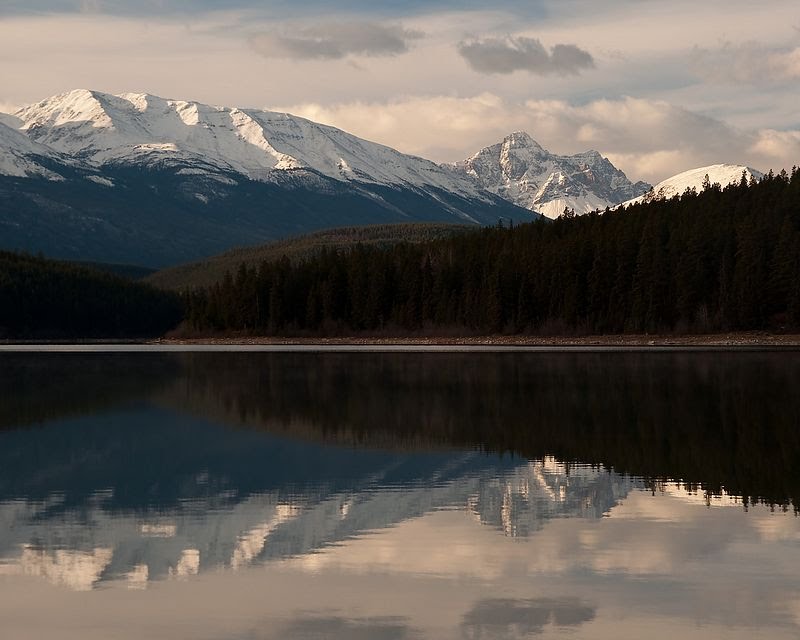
497,344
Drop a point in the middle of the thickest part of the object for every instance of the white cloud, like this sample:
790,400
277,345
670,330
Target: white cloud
8,107
648,139
782,146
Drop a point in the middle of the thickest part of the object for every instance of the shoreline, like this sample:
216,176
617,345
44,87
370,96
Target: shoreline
733,339
739,341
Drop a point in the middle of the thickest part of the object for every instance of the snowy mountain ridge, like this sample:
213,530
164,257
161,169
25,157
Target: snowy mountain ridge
20,157
520,170
134,178
103,129
137,129
722,174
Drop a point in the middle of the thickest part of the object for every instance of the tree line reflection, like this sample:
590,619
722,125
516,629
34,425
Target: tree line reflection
715,421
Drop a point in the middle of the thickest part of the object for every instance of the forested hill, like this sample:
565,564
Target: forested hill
206,272
723,259
47,299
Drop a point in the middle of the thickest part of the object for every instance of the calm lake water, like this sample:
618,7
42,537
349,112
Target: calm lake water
354,496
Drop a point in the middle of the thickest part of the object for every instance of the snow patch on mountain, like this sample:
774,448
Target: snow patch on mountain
21,158
100,180
520,170
579,204
722,174
102,129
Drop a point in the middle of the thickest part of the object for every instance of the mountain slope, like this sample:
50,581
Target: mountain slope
21,157
158,182
524,173
722,174
157,218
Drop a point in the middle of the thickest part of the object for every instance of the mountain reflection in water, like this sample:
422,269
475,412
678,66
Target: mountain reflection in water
623,472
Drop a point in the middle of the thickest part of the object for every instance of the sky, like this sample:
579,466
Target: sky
657,87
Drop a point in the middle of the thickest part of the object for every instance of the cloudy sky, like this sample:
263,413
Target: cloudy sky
656,86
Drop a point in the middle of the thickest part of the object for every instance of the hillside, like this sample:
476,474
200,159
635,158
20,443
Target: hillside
718,260
127,271
47,299
206,272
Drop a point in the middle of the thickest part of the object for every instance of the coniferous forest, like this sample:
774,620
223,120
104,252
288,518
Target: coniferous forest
48,299
723,259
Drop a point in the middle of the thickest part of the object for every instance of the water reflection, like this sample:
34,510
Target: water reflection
150,495
342,628
520,618
400,496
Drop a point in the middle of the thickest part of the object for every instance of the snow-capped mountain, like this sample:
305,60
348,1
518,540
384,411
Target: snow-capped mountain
20,156
132,128
521,171
722,174
139,179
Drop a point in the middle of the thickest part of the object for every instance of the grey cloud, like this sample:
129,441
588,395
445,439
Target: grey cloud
506,55
528,8
503,618
747,63
335,41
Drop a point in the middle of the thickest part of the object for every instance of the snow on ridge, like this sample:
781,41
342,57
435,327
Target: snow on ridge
79,105
21,158
131,127
101,180
722,174
520,170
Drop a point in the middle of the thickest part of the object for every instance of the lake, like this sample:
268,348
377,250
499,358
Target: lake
390,495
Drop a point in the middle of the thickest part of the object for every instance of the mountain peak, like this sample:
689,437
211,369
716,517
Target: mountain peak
521,140
520,170
79,105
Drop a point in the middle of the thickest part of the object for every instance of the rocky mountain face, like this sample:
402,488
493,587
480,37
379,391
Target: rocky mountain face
521,171
140,179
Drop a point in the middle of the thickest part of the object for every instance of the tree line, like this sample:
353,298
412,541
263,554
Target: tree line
48,299
721,259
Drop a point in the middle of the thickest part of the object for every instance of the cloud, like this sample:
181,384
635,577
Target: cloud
334,627
747,63
335,41
648,139
504,618
507,55
8,107
285,8
92,6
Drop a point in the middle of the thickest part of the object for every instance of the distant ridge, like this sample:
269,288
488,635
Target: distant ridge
206,272
722,174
